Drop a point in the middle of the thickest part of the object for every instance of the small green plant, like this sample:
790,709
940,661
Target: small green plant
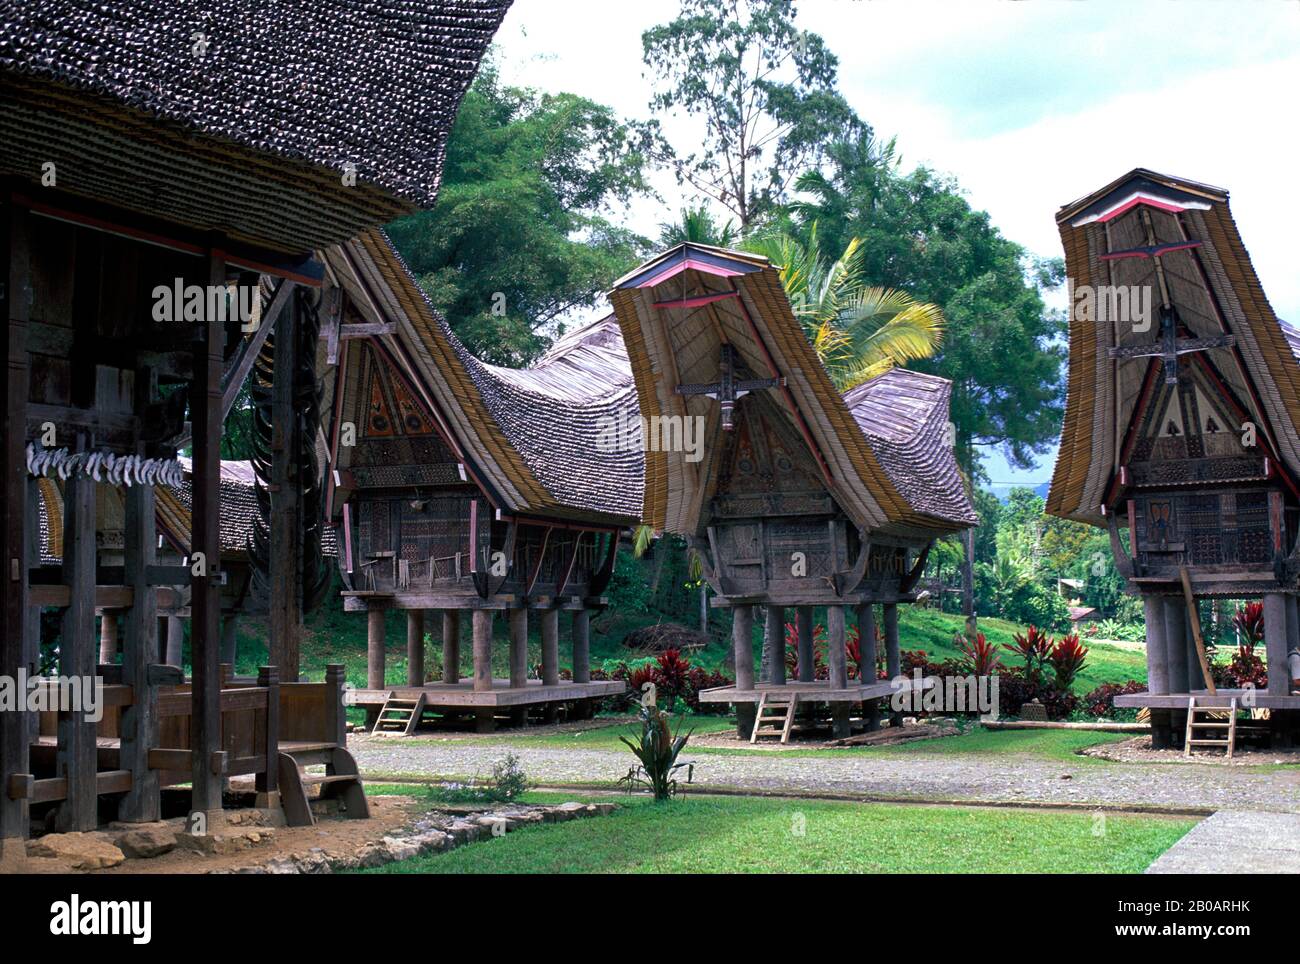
507,782
657,748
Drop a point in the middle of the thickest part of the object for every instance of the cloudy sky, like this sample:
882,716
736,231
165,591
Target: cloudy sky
1029,105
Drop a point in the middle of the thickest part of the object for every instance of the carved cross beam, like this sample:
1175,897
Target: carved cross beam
1170,346
728,389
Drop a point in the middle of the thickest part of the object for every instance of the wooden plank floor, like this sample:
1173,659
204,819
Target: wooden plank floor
818,691
1220,700
462,695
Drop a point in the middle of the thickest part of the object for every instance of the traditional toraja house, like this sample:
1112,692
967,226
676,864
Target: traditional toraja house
1182,427
153,155
791,495
462,490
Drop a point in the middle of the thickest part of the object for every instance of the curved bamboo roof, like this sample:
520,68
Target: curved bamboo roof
678,310
1146,230
531,438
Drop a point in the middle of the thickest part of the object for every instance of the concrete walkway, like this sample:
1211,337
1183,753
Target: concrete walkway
1236,842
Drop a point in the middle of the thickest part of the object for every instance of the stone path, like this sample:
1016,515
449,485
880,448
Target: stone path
1236,842
960,777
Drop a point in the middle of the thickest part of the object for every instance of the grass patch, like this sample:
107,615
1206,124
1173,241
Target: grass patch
747,835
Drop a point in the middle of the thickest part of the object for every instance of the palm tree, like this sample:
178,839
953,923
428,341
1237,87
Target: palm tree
699,226
859,331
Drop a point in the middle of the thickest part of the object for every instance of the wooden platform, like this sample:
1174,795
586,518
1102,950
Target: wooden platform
462,695
818,691
1220,700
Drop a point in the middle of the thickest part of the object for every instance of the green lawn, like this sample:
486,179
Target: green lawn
747,835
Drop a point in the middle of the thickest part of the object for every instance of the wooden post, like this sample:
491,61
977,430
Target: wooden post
205,603
229,638
774,646
336,725
482,620
550,647
1292,630
1157,651
742,645
1176,644
518,647
267,782
139,723
175,641
807,659
893,657
451,645
582,646
285,616
15,734
1275,643
415,647
77,752
836,659
866,617
375,628
108,637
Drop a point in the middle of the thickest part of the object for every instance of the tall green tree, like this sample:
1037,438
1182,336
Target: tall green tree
763,90
1003,349
521,234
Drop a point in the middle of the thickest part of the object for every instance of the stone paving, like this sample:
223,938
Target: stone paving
967,777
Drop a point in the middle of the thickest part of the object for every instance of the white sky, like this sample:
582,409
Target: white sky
1029,105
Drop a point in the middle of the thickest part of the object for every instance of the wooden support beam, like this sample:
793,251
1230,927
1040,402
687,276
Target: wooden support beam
451,646
550,647
205,602
415,647
482,620
336,718
15,306
229,638
774,646
139,723
174,655
582,646
1194,620
1157,651
267,780
249,348
866,619
108,637
1176,644
518,647
1275,643
836,658
804,627
77,752
742,646
285,616
893,655
375,649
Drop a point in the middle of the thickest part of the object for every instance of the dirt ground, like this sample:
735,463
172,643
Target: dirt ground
1138,750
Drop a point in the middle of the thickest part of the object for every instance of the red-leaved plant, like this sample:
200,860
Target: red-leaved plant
1033,646
980,656
1067,659
1249,621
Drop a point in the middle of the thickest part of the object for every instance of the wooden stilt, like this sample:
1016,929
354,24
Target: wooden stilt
77,655
108,637
866,617
139,723
175,641
1157,651
1275,643
229,638
893,655
285,616
15,515
1176,647
518,647
451,646
836,660
375,629
336,725
774,646
415,647
804,627
582,646
267,782
550,647
742,641
482,620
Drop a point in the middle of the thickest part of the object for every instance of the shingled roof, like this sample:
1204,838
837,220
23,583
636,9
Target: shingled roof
679,309
528,437
1110,237
904,415
142,102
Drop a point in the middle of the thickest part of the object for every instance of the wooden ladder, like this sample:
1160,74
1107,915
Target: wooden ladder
1207,721
399,717
778,722
341,780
